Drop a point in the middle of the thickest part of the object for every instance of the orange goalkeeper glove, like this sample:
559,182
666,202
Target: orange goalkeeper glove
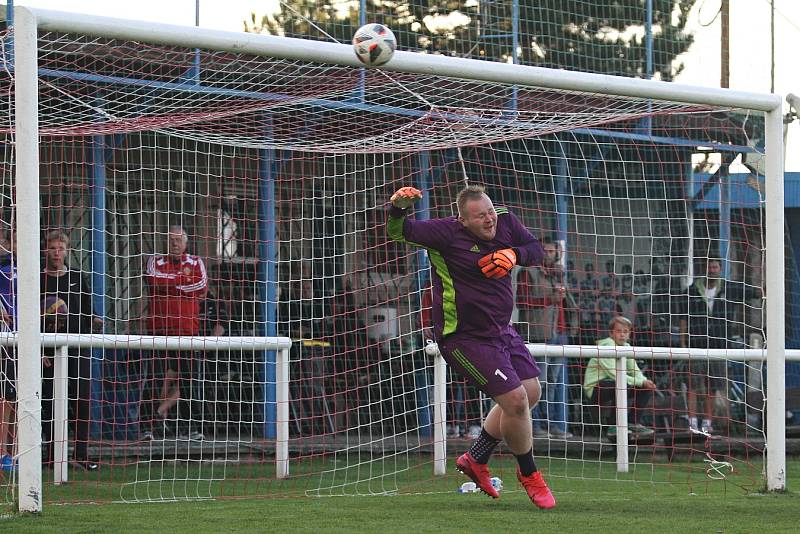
405,197
498,263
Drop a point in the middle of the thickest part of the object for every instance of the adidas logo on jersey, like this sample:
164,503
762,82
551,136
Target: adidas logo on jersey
474,248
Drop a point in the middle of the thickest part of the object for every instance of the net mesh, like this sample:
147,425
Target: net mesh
221,98
247,153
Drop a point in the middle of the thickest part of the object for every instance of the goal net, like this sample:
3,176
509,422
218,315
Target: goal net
280,170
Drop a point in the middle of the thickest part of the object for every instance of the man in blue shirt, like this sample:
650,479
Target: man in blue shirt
472,255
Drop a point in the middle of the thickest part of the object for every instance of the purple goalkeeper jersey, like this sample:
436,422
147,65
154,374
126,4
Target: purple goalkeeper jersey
464,300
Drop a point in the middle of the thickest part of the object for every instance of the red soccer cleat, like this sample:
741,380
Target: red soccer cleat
479,474
537,490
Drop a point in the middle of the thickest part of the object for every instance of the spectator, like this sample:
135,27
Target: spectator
706,312
177,284
214,322
661,307
641,283
540,296
643,323
626,305
589,285
67,307
587,302
303,309
625,281
606,307
572,278
609,282
214,315
600,381
8,361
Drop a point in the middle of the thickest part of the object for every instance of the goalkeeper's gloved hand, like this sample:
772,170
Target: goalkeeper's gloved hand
405,197
499,263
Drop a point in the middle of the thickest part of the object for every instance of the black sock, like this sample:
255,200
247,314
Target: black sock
526,464
483,447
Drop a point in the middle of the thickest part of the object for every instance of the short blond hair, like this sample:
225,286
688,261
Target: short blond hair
619,319
57,235
470,192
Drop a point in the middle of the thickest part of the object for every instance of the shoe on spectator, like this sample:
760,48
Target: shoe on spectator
474,432
560,434
706,427
147,436
541,433
86,465
453,431
7,463
537,489
479,473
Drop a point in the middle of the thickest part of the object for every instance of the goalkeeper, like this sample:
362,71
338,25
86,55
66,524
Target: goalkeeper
472,255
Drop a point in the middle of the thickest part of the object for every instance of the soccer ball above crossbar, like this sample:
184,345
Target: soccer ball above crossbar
374,44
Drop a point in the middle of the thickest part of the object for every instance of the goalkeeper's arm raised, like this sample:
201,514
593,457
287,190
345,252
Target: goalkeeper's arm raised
405,197
431,233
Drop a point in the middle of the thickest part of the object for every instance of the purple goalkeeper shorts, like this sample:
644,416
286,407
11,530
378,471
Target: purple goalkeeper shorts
493,365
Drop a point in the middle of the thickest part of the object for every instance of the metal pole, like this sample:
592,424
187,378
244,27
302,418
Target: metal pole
725,45
621,391
282,426
439,410
561,179
267,281
514,50
402,61
648,36
647,122
421,374
29,379
60,442
772,45
776,304
98,270
196,73
362,20
724,218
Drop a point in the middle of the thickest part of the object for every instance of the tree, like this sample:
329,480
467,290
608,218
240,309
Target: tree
339,21
605,36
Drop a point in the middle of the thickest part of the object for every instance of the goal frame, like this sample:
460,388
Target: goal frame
28,21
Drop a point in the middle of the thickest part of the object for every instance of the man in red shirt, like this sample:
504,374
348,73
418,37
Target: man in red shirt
177,283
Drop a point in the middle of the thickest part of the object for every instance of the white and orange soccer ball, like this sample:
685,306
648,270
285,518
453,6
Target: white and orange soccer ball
374,44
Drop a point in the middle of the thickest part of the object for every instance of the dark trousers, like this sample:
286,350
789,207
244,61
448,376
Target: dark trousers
604,394
79,404
189,410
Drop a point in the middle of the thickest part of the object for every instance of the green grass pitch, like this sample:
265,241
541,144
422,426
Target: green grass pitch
591,496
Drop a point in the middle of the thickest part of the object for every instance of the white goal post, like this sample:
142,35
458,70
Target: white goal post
28,22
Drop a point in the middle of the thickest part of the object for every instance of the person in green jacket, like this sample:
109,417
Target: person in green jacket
599,382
